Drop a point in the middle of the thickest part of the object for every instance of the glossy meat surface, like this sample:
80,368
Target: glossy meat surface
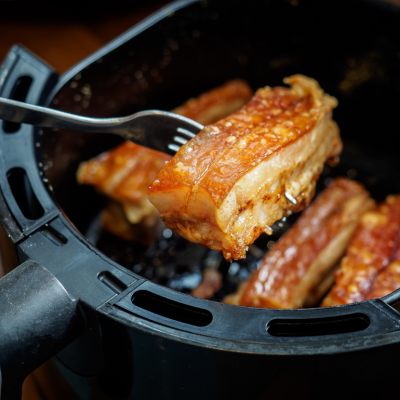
125,172
217,103
291,273
226,186
386,282
370,252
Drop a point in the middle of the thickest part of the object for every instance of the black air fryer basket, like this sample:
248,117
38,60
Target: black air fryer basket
106,309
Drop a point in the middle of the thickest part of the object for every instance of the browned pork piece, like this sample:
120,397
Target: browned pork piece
227,185
387,280
298,269
370,252
217,103
125,172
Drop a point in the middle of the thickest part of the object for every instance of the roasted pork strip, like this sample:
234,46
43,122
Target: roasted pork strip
290,273
386,282
321,288
370,252
125,172
227,185
217,103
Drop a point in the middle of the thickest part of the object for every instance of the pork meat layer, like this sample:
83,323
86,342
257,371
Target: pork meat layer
227,185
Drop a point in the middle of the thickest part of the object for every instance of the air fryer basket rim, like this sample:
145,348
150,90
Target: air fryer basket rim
229,327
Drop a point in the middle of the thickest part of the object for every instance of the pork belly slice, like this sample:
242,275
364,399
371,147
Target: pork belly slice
217,103
123,175
315,294
370,252
386,282
321,289
291,273
227,185
125,172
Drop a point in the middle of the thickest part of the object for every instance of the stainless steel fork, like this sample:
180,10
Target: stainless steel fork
159,130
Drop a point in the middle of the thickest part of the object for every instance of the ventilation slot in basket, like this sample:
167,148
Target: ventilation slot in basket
318,326
171,309
24,194
19,93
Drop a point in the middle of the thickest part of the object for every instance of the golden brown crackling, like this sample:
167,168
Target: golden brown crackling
278,142
386,282
281,272
111,171
223,152
217,103
369,253
123,174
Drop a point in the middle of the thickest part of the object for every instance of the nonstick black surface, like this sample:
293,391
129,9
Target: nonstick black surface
351,48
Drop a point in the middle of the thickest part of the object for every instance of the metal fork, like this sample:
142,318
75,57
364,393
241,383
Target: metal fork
159,130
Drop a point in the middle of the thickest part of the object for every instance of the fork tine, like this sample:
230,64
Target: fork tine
174,147
180,140
186,132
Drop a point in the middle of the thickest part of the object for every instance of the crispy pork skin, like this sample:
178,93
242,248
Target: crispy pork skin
125,172
370,252
298,269
386,282
227,185
217,103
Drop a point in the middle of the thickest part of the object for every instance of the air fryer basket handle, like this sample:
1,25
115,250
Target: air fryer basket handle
37,319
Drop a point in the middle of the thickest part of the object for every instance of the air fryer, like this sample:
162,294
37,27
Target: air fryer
120,325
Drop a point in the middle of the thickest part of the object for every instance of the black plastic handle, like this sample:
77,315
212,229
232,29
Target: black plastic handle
38,318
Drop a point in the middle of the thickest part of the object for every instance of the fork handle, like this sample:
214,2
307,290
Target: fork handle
17,111
142,128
